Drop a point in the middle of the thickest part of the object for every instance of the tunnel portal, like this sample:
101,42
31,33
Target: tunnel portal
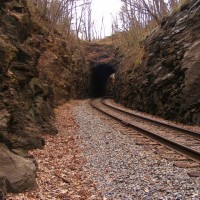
99,79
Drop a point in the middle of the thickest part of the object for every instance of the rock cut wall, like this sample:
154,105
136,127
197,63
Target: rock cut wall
24,102
25,106
38,70
167,81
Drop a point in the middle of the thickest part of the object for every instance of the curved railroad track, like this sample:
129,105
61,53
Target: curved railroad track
185,142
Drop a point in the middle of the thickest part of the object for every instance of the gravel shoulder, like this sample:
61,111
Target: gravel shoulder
90,160
123,170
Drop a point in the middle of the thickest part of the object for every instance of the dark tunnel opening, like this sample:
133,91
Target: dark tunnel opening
99,79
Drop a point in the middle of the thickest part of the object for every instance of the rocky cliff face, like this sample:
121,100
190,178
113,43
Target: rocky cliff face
37,71
166,82
63,67
22,96
100,53
21,92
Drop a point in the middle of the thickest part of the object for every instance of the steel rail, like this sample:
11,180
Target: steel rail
184,150
172,126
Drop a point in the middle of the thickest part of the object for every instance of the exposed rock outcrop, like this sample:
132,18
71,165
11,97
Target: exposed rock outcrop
25,108
100,53
38,70
166,82
63,67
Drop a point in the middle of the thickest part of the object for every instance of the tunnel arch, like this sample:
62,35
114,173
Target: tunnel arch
99,79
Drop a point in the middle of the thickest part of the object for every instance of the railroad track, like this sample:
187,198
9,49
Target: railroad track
185,142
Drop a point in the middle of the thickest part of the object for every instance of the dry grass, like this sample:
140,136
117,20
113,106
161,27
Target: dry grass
179,6
131,43
49,28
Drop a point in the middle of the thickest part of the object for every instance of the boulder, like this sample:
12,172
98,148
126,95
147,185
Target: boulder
19,173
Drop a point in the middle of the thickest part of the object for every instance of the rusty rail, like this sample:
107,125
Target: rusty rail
174,127
182,149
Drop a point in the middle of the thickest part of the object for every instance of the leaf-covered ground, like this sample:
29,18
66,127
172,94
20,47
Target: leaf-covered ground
61,173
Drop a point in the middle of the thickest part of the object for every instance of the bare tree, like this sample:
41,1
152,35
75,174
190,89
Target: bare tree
141,8
73,16
146,10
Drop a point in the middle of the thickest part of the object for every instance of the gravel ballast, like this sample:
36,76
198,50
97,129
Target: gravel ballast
90,160
125,171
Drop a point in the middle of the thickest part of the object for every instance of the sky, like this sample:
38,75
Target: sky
105,8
